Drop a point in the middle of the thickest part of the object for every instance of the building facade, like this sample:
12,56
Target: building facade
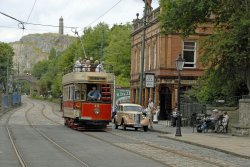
160,54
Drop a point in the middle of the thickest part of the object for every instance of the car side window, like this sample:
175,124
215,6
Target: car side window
119,108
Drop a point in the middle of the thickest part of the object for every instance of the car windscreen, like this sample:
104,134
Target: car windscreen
132,108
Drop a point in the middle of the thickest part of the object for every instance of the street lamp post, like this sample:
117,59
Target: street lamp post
179,66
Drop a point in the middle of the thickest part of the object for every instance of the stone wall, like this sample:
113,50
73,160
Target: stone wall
242,128
244,118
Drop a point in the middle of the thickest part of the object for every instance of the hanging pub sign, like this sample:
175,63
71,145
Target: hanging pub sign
150,80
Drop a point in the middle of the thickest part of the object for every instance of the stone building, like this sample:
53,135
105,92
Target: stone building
161,52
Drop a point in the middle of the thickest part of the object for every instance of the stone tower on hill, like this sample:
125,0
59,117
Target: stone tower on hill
61,26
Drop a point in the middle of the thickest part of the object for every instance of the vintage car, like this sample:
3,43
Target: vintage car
130,115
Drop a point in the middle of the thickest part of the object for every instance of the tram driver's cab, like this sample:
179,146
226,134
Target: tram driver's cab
90,92
94,93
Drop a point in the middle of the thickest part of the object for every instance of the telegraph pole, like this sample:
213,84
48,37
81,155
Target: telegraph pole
143,52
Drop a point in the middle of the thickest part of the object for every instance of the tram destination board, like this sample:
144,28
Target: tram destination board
95,78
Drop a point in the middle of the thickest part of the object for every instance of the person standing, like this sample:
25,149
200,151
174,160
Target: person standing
151,109
225,120
215,119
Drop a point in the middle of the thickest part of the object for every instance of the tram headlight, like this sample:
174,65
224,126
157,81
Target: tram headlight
96,111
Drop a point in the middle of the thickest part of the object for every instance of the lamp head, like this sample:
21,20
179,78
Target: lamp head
179,63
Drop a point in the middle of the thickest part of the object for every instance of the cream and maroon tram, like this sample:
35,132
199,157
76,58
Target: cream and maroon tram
79,111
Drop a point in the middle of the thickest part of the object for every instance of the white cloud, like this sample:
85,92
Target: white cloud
78,13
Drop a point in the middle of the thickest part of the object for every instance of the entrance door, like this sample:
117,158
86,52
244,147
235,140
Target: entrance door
165,104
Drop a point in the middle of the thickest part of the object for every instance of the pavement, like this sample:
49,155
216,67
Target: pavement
227,143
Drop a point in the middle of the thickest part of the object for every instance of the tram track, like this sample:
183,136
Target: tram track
50,119
11,136
156,149
198,158
46,137
151,146
53,110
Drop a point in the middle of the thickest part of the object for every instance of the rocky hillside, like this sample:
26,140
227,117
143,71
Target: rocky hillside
36,47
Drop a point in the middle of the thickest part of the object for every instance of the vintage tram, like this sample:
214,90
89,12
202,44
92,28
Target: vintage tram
79,110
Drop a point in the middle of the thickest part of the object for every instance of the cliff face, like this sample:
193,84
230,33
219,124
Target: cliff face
36,47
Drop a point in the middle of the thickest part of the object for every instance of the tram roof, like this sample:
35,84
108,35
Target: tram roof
88,77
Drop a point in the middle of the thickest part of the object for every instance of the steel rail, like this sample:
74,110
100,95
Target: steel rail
11,136
42,111
113,144
182,154
52,141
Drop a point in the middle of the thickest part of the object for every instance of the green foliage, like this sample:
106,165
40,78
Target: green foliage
6,55
116,47
92,40
117,53
39,69
25,87
225,52
52,53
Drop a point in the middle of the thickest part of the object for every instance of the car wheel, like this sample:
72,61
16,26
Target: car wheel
124,126
199,129
136,129
145,128
116,125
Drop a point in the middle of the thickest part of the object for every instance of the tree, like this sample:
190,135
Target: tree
117,53
39,69
92,40
116,47
226,52
6,55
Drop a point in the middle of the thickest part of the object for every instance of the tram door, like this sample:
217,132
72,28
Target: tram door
165,103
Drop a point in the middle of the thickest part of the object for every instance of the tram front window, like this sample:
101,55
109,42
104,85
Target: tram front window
80,92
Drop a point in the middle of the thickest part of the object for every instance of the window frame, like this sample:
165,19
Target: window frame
194,54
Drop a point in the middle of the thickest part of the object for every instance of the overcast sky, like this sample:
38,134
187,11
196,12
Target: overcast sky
76,13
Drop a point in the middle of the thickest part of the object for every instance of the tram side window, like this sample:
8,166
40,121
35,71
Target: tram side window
65,93
80,92
71,93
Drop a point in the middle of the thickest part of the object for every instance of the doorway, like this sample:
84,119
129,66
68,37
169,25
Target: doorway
165,103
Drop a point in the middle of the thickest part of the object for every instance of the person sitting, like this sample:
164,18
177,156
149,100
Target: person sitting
78,66
206,122
87,66
99,67
94,94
